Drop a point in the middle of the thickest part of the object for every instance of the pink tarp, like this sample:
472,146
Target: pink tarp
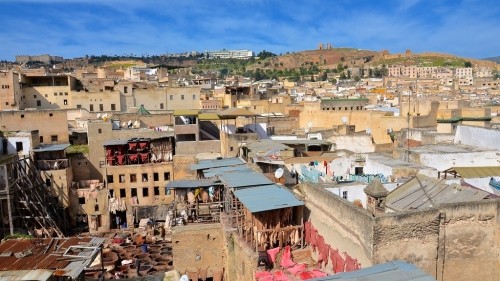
279,275
271,253
286,258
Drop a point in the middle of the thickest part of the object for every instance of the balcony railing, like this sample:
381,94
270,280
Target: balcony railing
58,164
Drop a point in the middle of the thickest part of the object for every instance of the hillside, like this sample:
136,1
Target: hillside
493,59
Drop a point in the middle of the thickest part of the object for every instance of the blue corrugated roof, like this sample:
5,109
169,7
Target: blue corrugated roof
51,147
115,142
214,163
192,183
390,271
266,197
208,173
244,179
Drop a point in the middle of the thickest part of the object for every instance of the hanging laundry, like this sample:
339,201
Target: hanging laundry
262,275
307,229
340,263
350,263
297,268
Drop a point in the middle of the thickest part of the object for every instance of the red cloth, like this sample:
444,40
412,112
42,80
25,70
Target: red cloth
333,257
339,262
271,253
286,258
350,263
279,275
305,275
318,273
323,250
297,268
314,235
263,276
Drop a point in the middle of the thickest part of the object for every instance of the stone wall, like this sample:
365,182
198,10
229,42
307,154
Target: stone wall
457,241
241,261
181,167
198,246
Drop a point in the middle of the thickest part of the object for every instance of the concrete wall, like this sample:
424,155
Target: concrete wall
343,225
459,241
468,135
21,120
241,261
354,143
203,240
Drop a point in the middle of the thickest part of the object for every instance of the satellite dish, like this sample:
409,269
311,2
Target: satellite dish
344,120
306,130
279,173
309,124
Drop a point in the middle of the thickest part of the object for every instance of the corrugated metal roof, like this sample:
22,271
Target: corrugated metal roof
390,271
115,142
267,145
192,183
214,163
208,173
51,147
208,116
423,192
244,179
45,253
476,172
266,197
20,275
236,112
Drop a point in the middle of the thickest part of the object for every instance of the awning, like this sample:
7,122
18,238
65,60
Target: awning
186,184
266,198
51,147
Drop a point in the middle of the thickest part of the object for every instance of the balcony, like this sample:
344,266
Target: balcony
58,164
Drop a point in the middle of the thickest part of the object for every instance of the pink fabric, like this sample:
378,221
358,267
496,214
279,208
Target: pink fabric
264,276
286,258
314,235
271,253
318,273
350,263
339,263
297,268
306,275
323,249
279,275
333,257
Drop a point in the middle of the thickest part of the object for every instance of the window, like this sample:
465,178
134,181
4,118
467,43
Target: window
78,106
5,86
60,93
19,146
65,93
96,208
156,190
110,179
161,105
81,200
125,90
38,103
155,176
55,94
111,193
6,103
123,193
46,95
145,192
134,191
194,97
113,106
166,176
144,177
344,194
91,107
101,107
22,115
121,178
41,139
171,97
133,178
34,96
182,97
51,114
99,131
65,102
53,138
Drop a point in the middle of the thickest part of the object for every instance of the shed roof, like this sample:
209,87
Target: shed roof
389,271
208,116
267,145
214,163
376,189
115,142
186,112
266,197
423,192
475,172
236,112
184,184
45,254
51,147
244,179
208,173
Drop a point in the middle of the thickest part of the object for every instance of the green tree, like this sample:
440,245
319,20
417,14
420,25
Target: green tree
468,64
265,54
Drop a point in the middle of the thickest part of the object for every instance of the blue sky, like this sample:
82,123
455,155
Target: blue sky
75,28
